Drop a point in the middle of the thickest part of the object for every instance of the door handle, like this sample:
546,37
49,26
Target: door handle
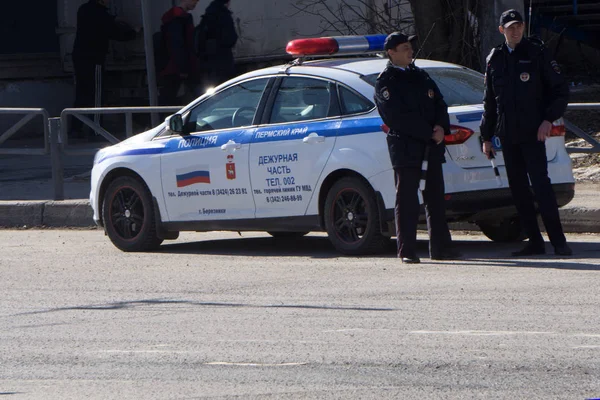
231,145
313,138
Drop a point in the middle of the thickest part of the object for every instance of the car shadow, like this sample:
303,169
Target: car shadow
307,246
319,247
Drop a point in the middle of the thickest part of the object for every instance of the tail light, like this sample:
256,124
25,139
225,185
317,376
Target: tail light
558,128
385,128
458,135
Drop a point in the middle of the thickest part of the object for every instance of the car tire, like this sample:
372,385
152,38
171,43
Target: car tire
287,235
352,218
504,231
128,215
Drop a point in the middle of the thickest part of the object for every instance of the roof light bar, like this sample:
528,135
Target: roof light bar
338,45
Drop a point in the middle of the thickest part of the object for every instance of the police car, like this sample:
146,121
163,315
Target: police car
300,148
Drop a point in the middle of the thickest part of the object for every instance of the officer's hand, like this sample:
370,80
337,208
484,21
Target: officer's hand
544,131
438,134
488,149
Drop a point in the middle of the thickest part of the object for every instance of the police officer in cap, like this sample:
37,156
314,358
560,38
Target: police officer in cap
524,93
412,106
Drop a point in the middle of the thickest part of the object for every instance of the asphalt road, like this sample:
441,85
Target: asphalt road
218,316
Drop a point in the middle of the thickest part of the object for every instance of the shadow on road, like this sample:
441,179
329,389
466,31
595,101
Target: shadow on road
475,252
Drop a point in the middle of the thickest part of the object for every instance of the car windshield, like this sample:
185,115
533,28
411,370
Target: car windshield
459,86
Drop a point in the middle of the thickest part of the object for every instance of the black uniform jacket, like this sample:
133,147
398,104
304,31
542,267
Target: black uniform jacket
95,27
222,29
411,104
522,89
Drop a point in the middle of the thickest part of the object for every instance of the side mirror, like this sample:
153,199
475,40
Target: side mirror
175,123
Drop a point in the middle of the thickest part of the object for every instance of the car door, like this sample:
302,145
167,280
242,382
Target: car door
289,152
205,174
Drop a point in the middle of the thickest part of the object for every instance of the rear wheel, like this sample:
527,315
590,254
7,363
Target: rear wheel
128,215
506,230
352,218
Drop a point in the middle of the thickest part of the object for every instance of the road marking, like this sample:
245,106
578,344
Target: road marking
238,364
482,333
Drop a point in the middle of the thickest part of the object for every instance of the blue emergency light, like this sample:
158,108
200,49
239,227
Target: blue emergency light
336,45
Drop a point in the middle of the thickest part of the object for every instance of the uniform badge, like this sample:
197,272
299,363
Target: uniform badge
555,66
385,93
230,167
431,93
525,77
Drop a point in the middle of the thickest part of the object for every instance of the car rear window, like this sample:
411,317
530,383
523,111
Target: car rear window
459,86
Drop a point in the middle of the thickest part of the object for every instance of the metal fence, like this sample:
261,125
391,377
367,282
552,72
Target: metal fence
28,115
577,131
56,133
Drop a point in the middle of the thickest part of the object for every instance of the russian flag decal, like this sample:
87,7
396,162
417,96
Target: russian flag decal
191,176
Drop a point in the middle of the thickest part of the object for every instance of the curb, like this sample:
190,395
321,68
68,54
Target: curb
55,214
79,214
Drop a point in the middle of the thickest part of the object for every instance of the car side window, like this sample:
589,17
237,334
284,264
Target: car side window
234,107
353,103
302,99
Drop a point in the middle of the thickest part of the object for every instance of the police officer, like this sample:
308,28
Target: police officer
412,106
524,92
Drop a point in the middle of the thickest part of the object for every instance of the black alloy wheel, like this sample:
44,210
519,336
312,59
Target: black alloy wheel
352,217
128,215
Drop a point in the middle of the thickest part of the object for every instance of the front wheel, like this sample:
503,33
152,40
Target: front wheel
503,231
128,215
352,218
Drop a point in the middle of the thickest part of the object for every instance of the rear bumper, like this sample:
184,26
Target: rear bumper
493,203
489,204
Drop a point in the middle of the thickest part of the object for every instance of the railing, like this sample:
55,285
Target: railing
80,114
577,131
29,114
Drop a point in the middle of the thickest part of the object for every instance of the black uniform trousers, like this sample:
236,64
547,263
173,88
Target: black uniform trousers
407,209
525,162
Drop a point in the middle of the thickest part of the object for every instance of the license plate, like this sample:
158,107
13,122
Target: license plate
496,144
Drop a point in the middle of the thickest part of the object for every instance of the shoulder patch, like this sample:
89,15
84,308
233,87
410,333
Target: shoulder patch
555,66
385,93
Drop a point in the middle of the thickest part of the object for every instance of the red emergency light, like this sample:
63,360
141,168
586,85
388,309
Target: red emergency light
316,46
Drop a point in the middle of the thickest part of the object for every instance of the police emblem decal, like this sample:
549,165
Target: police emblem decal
512,15
385,93
230,167
525,76
555,66
431,93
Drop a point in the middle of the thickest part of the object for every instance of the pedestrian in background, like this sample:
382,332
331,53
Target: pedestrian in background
215,38
95,28
181,72
524,93
413,108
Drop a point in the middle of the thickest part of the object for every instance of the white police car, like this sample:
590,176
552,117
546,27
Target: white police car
299,148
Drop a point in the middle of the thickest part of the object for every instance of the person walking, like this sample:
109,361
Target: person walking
524,93
215,39
95,28
181,70
413,108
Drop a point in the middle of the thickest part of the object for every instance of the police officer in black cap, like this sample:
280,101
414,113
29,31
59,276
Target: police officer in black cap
524,93
413,108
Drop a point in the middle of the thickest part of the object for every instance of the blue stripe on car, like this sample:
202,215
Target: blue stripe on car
271,133
470,117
